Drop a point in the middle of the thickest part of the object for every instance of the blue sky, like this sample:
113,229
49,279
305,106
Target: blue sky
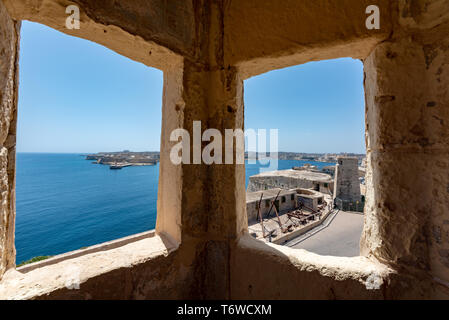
77,96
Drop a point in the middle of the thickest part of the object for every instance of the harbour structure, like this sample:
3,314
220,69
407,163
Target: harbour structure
119,160
284,200
278,215
347,196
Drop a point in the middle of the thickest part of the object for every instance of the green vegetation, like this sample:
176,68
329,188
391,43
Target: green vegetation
33,260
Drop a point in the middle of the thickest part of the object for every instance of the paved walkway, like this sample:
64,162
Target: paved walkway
341,238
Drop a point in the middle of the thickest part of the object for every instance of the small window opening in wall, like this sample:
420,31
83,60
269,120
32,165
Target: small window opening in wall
318,110
77,99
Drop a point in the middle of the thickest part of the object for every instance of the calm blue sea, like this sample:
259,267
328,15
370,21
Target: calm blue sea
64,202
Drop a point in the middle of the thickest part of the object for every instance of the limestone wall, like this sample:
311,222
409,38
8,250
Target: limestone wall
9,44
289,179
149,268
154,32
310,202
263,35
267,271
266,183
206,49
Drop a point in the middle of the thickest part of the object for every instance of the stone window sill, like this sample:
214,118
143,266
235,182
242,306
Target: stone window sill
71,269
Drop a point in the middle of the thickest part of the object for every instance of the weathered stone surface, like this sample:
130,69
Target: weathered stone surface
423,14
4,211
206,49
263,35
154,32
144,269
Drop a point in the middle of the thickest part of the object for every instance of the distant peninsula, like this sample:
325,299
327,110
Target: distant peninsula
122,159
